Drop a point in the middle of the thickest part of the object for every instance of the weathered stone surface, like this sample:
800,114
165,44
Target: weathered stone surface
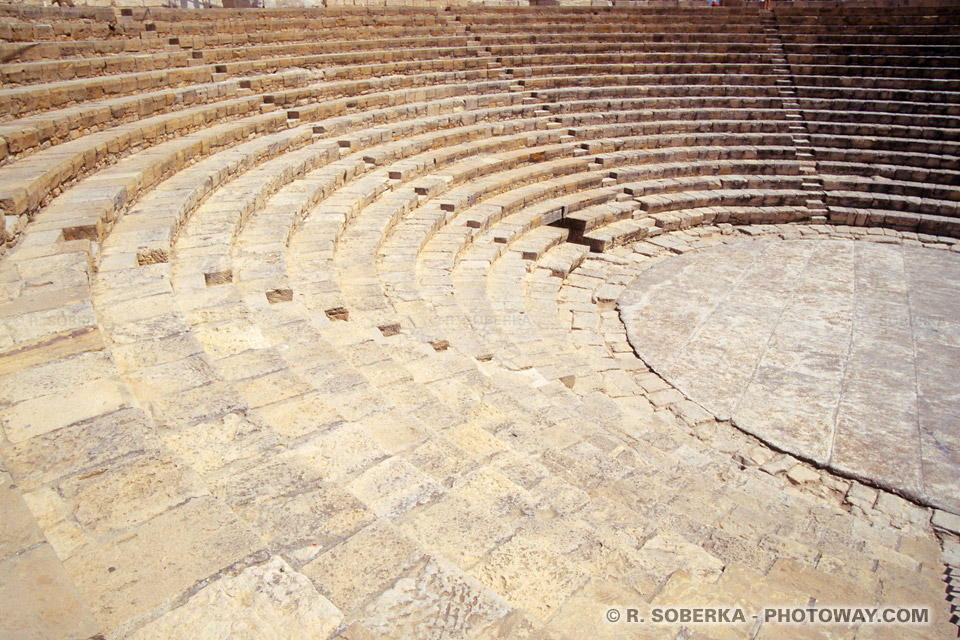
159,559
299,417
584,615
52,366
130,491
435,601
394,486
802,474
269,601
82,448
667,553
836,350
376,555
210,445
18,527
946,520
286,501
38,416
22,357
40,602
532,578
480,511
49,324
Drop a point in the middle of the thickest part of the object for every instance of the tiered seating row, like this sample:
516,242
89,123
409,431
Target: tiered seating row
886,151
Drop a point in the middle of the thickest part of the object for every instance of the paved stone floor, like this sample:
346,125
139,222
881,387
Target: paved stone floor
842,352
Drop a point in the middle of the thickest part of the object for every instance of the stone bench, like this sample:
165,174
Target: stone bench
335,126
865,40
890,202
875,114
32,179
69,68
662,177
382,151
667,202
53,49
867,73
485,208
935,178
658,50
876,184
939,139
942,61
946,152
27,99
908,103
871,83
901,220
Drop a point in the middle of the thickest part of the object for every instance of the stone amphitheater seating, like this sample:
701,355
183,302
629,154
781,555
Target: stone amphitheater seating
317,307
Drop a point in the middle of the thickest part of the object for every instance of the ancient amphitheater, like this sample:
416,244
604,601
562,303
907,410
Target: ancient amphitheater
463,321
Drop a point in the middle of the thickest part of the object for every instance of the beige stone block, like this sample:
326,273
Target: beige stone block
18,527
456,528
342,450
475,440
946,520
49,323
272,387
211,445
285,500
440,460
584,614
129,576
42,415
47,506
364,564
54,376
802,474
199,404
251,364
130,491
438,600
152,382
682,590
925,550
530,577
392,430
49,350
78,449
299,417
40,601
229,338
825,587
669,552
268,601
394,486
67,537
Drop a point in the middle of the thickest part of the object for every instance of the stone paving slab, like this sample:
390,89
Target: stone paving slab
842,352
